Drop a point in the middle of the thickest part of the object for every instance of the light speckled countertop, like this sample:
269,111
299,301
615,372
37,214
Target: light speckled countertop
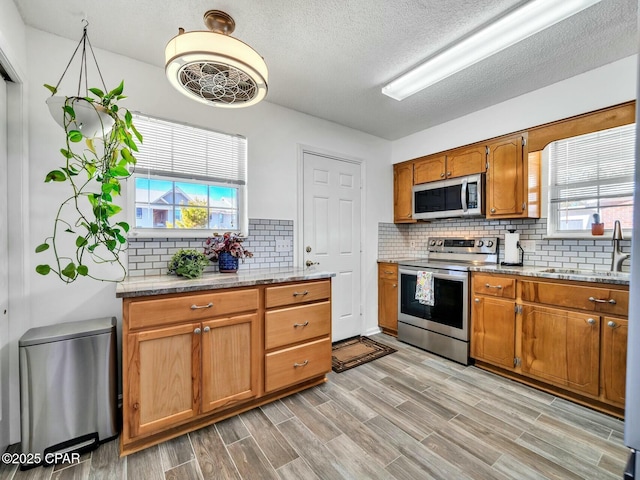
578,275
162,284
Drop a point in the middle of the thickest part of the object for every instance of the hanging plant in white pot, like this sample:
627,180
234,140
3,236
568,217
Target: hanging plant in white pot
98,154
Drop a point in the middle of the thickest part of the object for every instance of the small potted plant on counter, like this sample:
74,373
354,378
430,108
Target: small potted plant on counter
226,249
188,263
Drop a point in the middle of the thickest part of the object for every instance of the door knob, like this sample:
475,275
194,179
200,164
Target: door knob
308,263
308,249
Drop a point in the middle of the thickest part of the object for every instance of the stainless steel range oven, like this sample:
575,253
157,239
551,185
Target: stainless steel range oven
442,328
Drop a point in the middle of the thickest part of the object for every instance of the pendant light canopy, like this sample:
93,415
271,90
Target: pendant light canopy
213,67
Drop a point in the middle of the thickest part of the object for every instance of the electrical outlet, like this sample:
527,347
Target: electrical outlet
283,244
529,246
412,244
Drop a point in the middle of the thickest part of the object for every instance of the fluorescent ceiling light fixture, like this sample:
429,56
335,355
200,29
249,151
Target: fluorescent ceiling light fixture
531,18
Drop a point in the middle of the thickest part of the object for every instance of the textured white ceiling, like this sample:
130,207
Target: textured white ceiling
330,58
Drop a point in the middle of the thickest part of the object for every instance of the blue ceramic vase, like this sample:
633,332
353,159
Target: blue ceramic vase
227,263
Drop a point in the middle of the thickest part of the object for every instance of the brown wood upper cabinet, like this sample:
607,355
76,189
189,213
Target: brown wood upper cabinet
509,174
402,193
456,163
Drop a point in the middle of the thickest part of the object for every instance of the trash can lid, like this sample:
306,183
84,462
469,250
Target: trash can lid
66,331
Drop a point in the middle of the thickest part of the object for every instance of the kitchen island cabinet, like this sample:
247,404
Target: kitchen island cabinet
566,337
209,352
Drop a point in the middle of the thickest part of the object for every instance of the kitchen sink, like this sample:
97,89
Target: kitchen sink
574,271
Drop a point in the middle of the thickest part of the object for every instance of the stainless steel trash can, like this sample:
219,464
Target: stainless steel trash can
68,386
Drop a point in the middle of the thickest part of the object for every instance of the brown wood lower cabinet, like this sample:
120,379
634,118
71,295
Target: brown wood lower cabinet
552,334
204,368
230,363
561,347
160,387
388,298
493,331
614,356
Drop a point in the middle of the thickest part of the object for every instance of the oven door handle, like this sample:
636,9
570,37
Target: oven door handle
463,195
459,277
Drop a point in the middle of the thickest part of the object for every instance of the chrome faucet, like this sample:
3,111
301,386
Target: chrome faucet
617,256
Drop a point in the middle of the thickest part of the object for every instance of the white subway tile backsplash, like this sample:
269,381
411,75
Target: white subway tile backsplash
150,257
394,241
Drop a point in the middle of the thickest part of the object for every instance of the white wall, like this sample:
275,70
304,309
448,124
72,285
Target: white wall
274,134
12,35
605,86
14,59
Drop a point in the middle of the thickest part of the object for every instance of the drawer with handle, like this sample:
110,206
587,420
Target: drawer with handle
296,324
496,286
297,364
297,293
595,299
163,311
388,270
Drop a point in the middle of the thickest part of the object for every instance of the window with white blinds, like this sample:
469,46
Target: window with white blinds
189,152
188,178
592,174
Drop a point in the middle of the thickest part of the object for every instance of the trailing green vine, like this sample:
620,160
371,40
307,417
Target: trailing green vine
93,169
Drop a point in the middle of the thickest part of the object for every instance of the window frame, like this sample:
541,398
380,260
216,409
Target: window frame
551,210
131,215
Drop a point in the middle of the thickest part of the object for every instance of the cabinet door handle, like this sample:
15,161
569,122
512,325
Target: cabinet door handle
395,285
296,365
297,294
442,175
611,324
196,307
499,287
197,331
388,272
493,210
296,325
477,300
600,300
206,329
591,321
448,174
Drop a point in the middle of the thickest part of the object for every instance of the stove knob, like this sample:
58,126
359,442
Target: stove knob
432,243
489,243
479,243
440,243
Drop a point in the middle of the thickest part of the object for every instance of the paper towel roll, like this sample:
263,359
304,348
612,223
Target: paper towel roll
511,253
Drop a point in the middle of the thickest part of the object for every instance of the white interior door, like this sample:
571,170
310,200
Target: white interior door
331,234
4,275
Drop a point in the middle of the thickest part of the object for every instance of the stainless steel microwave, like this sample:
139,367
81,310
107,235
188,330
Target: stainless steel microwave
456,197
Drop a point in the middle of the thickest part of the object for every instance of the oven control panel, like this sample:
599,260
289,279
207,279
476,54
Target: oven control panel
473,245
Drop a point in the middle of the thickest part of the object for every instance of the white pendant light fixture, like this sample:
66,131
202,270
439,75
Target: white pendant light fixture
213,67
531,18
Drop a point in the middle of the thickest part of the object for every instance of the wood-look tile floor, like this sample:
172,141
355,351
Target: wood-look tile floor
410,415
